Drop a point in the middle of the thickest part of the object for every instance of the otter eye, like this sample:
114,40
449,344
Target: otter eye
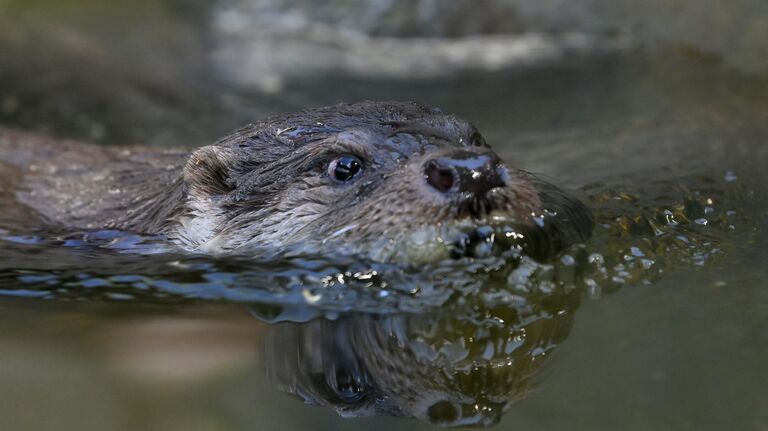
345,168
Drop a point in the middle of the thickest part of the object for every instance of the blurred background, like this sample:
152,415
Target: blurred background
578,90
173,72
183,73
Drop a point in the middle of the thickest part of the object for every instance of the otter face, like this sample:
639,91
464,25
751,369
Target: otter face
393,181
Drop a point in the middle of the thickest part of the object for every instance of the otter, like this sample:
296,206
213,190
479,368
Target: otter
392,181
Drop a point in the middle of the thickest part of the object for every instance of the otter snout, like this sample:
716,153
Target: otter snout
462,171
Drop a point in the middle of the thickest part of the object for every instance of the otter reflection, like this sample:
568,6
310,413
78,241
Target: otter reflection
450,369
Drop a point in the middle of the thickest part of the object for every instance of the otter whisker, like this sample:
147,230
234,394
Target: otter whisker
388,180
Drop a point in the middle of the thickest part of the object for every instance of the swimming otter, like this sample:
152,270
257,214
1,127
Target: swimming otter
389,180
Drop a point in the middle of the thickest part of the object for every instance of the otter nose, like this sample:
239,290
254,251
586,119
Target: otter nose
464,171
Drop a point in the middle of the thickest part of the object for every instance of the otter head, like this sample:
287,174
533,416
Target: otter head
392,181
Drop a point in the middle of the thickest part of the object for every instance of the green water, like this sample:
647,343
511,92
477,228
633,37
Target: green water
676,338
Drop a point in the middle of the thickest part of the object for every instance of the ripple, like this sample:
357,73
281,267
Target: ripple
641,233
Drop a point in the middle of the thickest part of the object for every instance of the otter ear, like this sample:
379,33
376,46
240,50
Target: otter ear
206,172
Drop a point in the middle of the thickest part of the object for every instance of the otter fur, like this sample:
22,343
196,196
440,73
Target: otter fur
394,181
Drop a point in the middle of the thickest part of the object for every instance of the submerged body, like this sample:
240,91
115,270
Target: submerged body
391,181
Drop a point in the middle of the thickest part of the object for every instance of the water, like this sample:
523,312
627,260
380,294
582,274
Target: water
658,322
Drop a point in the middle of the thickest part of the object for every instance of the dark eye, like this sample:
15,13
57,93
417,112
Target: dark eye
345,168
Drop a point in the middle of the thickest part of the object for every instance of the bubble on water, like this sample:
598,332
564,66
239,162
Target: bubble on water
311,297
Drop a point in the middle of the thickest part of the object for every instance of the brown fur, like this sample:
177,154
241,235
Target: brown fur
265,187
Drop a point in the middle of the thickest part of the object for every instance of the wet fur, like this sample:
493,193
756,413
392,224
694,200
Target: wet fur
265,186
